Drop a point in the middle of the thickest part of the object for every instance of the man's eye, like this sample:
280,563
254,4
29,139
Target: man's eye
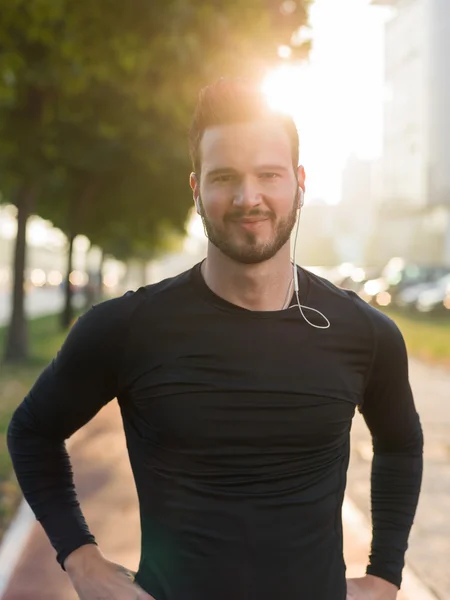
223,178
269,175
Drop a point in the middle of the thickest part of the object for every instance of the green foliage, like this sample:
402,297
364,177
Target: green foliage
95,99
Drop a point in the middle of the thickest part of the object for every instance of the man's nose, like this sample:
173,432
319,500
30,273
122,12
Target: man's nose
248,194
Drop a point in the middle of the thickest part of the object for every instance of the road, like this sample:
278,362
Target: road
38,302
429,550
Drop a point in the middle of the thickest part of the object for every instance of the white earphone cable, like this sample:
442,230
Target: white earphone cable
296,286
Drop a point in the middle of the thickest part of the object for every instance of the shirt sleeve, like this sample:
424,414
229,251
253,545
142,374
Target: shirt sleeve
69,392
391,416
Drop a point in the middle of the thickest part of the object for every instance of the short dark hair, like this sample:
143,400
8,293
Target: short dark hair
234,101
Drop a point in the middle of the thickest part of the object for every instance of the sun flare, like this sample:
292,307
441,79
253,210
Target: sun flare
284,89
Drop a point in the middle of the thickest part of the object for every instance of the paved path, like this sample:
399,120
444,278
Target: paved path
106,489
429,551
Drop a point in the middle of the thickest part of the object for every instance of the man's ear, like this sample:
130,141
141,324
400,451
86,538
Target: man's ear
301,177
195,186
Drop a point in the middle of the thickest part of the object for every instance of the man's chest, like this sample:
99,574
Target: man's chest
235,382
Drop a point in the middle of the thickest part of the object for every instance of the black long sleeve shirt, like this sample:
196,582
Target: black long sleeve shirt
237,425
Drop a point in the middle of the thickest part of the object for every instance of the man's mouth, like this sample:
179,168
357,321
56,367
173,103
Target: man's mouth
251,219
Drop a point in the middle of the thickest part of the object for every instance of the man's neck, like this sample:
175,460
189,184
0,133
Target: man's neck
263,286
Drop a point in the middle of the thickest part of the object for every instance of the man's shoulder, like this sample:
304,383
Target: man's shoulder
120,310
133,298
323,287
169,285
379,322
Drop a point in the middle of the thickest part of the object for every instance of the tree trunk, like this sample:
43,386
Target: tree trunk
99,282
94,289
17,348
67,314
75,219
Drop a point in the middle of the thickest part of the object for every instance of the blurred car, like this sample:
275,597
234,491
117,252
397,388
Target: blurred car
359,277
397,277
353,277
435,299
408,297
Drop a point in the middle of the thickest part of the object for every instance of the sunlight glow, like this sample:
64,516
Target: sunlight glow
37,231
336,96
283,89
78,278
289,89
38,277
55,278
284,51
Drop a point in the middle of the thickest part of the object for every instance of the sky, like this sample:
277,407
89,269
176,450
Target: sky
337,98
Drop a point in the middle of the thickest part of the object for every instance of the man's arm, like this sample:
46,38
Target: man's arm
390,414
69,392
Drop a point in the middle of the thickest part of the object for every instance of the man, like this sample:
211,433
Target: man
237,382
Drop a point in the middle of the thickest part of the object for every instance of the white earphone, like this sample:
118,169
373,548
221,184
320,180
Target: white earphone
295,276
302,197
294,266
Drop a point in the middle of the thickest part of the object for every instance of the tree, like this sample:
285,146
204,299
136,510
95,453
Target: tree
115,195
130,71
27,67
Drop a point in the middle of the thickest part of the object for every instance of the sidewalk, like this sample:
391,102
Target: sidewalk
107,493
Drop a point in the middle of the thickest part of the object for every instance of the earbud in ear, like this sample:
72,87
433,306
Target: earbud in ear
301,197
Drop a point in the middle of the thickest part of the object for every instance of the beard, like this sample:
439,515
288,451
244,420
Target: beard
249,250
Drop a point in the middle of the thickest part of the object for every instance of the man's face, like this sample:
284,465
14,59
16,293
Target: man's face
248,191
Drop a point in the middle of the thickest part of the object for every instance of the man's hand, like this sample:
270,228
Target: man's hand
370,588
96,578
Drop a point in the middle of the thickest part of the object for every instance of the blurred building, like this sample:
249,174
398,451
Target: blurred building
355,213
317,237
413,201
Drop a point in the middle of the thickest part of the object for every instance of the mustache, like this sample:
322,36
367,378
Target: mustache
235,215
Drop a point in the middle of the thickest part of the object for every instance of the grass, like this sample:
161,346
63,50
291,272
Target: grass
426,337
15,382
